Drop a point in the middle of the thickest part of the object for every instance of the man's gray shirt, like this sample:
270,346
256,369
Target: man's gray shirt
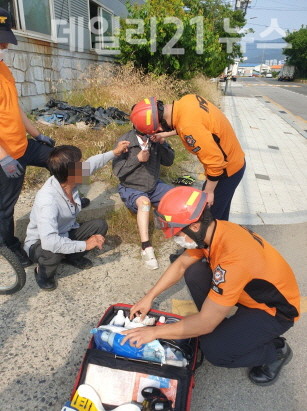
138,175
53,215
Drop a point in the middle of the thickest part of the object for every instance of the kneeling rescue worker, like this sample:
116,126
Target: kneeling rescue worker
224,265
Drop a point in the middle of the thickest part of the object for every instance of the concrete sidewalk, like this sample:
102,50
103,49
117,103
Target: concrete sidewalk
274,187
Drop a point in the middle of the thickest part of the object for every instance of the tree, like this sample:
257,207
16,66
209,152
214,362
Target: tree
297,54
180,37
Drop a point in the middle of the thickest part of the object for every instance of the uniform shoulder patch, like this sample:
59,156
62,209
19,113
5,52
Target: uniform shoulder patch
218,275
190,141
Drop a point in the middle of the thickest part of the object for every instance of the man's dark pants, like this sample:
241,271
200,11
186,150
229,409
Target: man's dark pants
243,340
36,155
223,194
48,261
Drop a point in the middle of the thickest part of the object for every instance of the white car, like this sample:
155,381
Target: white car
268,75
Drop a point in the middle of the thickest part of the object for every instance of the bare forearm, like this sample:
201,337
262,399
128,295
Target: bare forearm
3,153
31,129
210,186
189,327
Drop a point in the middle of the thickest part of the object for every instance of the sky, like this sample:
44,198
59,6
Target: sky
290,14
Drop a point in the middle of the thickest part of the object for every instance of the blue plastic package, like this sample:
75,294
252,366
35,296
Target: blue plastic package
107,340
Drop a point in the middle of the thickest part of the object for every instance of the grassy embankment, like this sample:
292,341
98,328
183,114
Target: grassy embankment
122,89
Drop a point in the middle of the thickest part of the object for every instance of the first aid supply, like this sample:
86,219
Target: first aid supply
112,342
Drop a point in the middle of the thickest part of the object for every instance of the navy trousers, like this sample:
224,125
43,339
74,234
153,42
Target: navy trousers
36,155
223,194
243,340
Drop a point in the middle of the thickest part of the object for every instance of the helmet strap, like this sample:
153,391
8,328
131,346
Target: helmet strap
199,236
162,120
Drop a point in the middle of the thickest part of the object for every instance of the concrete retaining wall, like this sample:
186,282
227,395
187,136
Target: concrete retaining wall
41,68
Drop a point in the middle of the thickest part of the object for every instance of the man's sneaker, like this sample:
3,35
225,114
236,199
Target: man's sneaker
148,256
23,257
268,374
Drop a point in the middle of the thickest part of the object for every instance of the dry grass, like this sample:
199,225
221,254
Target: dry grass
120,86
123,86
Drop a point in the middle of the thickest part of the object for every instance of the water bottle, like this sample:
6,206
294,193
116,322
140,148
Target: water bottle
109,341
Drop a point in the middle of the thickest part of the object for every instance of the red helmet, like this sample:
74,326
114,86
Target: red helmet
145,116
179,208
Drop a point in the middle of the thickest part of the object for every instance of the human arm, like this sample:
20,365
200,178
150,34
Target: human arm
171,276
129,161
200,141
100,160
47,214
209,190
204,322
158,137
33,131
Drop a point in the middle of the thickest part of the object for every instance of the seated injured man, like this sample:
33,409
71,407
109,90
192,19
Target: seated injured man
53,233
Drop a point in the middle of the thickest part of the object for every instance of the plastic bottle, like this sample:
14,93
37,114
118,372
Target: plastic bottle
161,320
175,357
108,341
118,319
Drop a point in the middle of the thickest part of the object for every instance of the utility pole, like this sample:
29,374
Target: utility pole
242,5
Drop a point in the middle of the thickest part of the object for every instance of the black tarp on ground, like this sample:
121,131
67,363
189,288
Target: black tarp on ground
60,113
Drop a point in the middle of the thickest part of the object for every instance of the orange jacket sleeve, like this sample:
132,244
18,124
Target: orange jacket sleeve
201,142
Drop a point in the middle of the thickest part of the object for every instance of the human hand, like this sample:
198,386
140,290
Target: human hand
210,197
139,336
160,137
96,240
141,308
143,156
46,140
122,147
11,167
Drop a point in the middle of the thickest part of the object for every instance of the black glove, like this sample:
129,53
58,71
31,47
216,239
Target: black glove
11,167
45,139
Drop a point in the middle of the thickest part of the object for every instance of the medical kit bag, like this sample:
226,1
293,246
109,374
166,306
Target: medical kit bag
118,380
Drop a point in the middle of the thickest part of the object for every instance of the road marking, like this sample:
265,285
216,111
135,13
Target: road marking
284,109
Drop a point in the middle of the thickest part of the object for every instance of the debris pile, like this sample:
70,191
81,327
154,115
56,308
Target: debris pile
61,113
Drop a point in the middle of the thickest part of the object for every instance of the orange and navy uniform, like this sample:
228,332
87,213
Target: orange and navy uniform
206,132
247,270
13,137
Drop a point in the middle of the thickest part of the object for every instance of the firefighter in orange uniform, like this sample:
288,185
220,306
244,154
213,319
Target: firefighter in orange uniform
235,268
206,132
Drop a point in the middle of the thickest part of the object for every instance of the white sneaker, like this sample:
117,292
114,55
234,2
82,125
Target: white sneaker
148,256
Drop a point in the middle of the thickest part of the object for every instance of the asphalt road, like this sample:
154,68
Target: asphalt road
287,96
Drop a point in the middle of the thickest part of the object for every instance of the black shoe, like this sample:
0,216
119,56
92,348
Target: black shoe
178,253
268,374
79,262
85,202
23,257
46,284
